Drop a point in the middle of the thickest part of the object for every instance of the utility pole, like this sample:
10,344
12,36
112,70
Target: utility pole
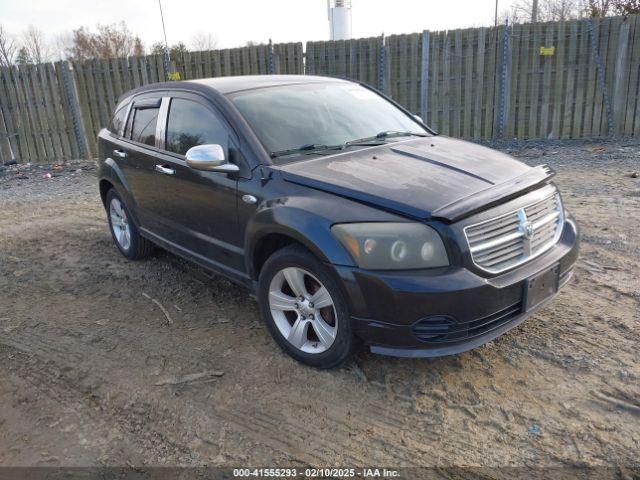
165,58
534,11
164,31
495,23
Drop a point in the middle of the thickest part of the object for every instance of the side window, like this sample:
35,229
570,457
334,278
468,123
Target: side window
143,129
191,124
118,120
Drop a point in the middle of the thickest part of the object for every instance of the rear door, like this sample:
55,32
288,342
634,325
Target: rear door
198,209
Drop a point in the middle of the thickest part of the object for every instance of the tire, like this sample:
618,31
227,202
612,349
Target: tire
124,231
317,335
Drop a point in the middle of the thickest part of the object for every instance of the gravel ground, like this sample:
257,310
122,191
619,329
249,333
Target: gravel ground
87,359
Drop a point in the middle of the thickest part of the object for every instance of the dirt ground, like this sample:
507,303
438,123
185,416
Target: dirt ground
87,357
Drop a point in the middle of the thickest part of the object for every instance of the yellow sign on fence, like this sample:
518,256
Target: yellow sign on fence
174,76
547,51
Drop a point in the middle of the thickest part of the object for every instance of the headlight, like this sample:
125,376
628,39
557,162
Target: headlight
392,246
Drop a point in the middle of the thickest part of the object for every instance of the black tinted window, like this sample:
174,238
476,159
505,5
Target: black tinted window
331,113
192,124
144,125
118,120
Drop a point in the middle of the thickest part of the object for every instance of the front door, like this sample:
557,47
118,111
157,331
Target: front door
198,209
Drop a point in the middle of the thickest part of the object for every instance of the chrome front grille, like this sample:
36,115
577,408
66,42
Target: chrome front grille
516,237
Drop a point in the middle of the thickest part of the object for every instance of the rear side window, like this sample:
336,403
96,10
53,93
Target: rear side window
144,125
191,124
117,122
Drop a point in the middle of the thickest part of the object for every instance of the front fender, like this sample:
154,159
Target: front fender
311,229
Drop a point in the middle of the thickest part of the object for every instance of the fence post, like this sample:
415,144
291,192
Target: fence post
601,81
424,83
352,60
504,81
74,107
382,66
620,75
165,62
270,67
6,150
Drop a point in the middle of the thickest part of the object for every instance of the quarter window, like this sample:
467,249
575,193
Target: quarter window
191,124
118,120
144,125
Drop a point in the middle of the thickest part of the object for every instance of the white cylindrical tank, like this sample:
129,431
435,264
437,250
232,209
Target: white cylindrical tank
340,19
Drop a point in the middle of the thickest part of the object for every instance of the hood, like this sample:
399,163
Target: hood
433,177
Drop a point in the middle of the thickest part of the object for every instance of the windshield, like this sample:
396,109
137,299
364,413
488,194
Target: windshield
297,119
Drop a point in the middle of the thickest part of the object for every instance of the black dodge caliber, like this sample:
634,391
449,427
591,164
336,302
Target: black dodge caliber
348,217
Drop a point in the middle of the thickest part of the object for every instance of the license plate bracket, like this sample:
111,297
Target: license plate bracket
540,287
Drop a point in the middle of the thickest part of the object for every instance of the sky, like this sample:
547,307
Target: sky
235,22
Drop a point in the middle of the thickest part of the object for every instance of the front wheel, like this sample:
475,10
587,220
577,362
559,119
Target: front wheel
304,308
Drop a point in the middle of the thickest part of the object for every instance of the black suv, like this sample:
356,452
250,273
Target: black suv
347,216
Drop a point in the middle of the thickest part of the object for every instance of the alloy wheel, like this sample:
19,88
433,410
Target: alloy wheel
303,310
120,224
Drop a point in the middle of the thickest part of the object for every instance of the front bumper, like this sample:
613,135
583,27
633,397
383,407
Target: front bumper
438,312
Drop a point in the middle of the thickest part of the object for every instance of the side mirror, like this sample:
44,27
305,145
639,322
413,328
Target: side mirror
419,118
209,158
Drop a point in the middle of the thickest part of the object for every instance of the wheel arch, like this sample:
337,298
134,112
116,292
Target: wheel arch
270,231
104,186
112,177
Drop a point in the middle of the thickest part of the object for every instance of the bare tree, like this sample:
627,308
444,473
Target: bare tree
109,41
138,47
34,42
522,11
60,45
597,8
519,12
202,41
626,7
8,47
560,10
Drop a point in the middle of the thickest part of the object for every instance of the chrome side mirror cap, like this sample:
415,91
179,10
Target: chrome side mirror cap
418,118
209,158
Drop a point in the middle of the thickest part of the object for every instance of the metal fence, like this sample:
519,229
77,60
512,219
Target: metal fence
571,79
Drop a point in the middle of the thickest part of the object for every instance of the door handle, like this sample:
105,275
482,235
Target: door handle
165,170
120,153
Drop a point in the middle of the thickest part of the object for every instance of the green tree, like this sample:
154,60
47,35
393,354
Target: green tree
175,51
157,48
23,57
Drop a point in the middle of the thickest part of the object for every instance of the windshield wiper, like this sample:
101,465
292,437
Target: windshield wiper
307,148
379,138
